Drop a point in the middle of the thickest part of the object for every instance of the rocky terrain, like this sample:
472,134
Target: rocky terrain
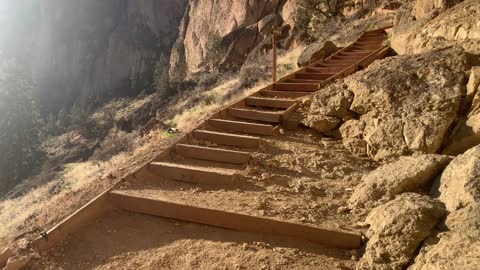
392,151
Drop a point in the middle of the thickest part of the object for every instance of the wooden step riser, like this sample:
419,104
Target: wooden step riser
325,69
313,76
194,176
305,81
248,128
212,154
269,103
270,117
227,139
234,221
284,94
295,87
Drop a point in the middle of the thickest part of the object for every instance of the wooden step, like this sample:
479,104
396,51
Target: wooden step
212,154
304,81
264,116
313,76
269,102
303,87
284,94
194,174
325,69
227,138
134,202
243,127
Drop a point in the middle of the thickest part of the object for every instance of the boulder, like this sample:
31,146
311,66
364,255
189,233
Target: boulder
459,184
405,175
465,221
397,228
4,256
328,108
467,132
448,251
406,104
418,29
316,51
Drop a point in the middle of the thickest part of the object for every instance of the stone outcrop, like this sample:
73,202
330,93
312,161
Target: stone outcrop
467,132
242,25
396,230
424,25
458,248
459,184
400,105
315,52
405,175
93,48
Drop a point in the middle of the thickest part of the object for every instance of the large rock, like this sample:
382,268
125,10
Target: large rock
316,51
448,251
4,256
418,28
459,184
405,104
467,132
458,248
396,230
405,175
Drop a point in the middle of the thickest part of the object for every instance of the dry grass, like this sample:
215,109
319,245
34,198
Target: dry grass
41,207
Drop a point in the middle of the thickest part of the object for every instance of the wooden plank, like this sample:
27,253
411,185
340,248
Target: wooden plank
244,127
303,87
269,102
313,76
284,94
194,174
213,154
271,117
234,221
304,81
227,138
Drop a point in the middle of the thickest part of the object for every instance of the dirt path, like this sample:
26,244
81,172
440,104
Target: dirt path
297,177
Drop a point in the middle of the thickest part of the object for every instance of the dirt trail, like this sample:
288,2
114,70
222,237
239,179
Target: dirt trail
298,177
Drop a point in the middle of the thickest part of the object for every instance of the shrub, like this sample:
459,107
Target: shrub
116,142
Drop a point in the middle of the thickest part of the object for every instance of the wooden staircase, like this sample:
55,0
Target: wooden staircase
223,144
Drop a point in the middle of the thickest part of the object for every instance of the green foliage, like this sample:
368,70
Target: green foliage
312,13
90,128
161,78
215,52
19,126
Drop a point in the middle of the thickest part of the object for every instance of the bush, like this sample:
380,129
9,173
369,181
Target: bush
116,142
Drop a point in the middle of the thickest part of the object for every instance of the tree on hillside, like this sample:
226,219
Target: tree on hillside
19,126
214,52
161,78
312,13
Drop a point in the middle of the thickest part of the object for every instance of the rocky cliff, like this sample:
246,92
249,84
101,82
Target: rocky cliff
242,25
92,48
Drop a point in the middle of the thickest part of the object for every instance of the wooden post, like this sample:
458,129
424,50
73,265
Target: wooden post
274,51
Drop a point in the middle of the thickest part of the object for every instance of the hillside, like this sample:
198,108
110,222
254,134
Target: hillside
363,155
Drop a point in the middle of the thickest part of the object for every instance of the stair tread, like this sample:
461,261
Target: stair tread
227,134
242,122
229,172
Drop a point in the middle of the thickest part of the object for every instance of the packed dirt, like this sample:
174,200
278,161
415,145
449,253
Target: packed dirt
298,177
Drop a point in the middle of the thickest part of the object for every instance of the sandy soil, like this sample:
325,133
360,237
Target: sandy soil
296,177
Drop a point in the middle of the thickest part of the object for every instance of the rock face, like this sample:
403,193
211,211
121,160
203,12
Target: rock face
460,182
400,105
467,132
423,25
93,48
458,248
405,175
396,230
316,51
242,25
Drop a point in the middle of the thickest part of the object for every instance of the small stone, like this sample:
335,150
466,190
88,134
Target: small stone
343,210
354,258
23,243
16,263
4,256
35,256
282,131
